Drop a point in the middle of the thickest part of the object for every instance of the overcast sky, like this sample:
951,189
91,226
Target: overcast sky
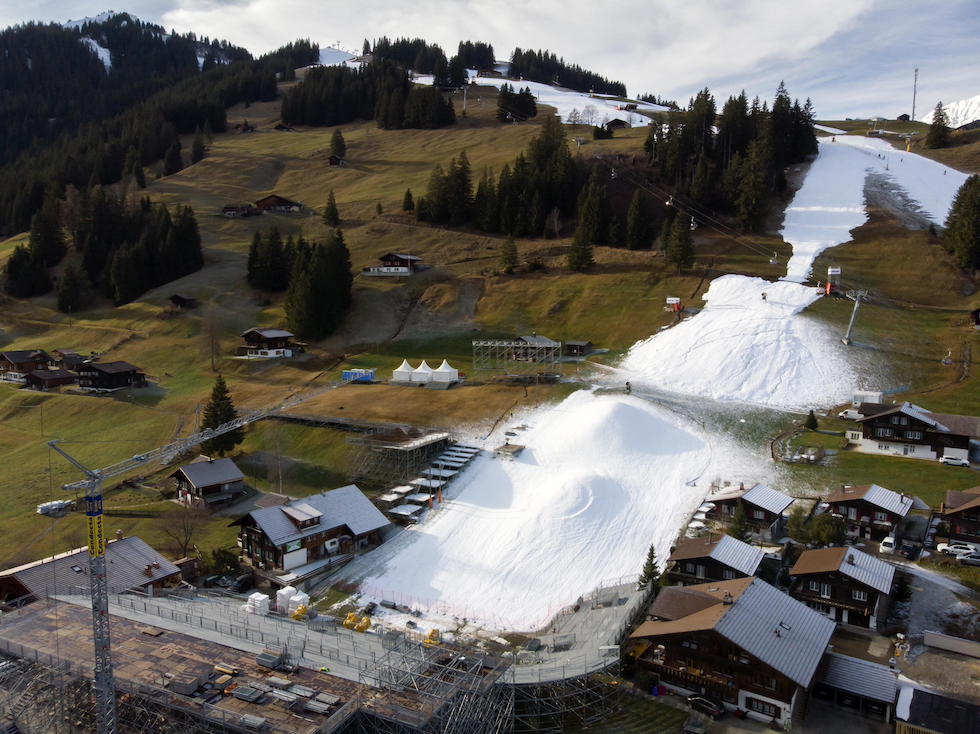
854,58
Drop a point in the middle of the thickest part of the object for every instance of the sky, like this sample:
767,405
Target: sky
854,58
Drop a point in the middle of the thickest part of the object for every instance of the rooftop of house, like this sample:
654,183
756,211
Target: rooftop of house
900,504
399,255
536,340
935,712
206,472
58,374
344,506
110,368
16,356
863,677
126,563
968,499
855,564
760,495
778,630
270,333
722,548
966,425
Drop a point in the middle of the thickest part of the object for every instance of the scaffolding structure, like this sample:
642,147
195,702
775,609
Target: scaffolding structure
537,356
433,689
551,707
396,455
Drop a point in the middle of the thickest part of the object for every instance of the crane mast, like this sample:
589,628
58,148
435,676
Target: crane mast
105,689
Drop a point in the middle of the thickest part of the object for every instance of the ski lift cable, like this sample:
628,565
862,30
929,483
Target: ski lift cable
714,224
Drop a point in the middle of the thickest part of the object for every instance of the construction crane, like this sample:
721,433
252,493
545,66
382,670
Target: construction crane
105,695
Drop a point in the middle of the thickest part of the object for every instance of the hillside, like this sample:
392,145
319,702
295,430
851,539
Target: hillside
958,113
432,316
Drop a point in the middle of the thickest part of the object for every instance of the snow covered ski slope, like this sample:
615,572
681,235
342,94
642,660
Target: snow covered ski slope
601,479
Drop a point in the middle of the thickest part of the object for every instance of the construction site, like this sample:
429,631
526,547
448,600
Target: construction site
198,663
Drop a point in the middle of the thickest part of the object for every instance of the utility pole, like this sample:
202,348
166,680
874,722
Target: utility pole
105,688
850,326
915,87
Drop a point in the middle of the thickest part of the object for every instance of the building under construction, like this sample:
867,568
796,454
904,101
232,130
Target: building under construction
396,455
201,664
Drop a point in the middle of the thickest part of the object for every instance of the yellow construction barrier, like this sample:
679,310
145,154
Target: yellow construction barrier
364,625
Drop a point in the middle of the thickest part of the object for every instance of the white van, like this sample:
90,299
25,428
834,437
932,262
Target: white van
887,545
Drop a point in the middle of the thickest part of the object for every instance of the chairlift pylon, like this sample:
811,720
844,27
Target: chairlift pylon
774,260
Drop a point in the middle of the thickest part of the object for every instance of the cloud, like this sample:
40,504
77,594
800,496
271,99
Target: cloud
850,56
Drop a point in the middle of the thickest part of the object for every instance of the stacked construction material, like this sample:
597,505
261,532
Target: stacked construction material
258,603
282,598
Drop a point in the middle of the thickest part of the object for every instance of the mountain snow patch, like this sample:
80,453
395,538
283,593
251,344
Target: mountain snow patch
100,18
958,113
333,56
101,51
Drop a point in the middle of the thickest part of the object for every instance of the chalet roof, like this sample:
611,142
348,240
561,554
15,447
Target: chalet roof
881,497
767,498
577,342
22,355
270,333
722,548
913,411
855,564
275,198
51,374
127,559
399,255
869,410
964,425
208,473
536,340
968,499
782,632
111,368
871,680
674,602
935,712
344,506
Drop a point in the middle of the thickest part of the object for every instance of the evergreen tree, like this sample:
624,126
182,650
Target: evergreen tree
938,135
811,421
319,292
69,291
753,185
700,190
651,573
197,148
338,146
637,224
220,410
508,255
46,239
962,234
331,217
739,526
679,250
797,524
25,274
408,204
172,162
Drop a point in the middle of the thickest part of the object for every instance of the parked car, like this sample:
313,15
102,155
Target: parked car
706,705
954,461
969,559
242,583
909,550
955,548
887,545
849,415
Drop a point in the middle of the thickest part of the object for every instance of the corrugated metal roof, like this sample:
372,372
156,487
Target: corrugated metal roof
768,498
900,504
536,340
861,677
126,558
781,632
738,555
207,473
868,570
270,333
344,506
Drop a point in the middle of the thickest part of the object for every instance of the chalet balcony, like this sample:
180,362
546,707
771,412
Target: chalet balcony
693,679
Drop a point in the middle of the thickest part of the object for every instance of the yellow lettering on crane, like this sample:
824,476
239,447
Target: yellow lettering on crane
96,536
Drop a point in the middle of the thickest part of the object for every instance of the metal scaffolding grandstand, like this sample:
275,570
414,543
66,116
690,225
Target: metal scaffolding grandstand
525,356
394,456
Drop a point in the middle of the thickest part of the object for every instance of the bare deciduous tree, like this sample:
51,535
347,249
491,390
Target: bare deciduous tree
182,523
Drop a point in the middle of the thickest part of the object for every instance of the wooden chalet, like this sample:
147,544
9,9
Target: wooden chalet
764,508
577,348
132,564
395,263
48,379
911,431
208,481
844,584
67,359
278,204
742,642
110,376
267,343
712,558
870,511
297,543
15,364
929,712
961,512
617,123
